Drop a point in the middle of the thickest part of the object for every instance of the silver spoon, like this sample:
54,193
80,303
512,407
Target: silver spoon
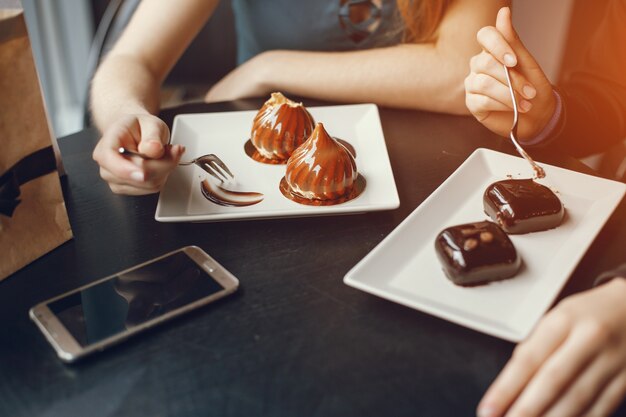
539,172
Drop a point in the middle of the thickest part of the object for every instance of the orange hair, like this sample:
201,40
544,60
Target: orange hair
421,18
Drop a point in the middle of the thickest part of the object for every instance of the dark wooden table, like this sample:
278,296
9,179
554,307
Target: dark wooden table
294,341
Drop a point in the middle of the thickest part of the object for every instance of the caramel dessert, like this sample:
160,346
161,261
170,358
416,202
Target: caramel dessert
523,206
321,172
279,127
476,254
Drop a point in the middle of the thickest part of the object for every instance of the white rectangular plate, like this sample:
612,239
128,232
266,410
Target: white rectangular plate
404,267
225,134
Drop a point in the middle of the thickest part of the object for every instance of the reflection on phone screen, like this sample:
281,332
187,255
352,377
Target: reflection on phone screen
135,297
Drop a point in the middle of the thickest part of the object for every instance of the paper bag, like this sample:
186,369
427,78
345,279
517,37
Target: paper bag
33,219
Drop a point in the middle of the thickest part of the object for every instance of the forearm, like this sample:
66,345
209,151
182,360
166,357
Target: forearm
416,76
122,85
129,79
427,76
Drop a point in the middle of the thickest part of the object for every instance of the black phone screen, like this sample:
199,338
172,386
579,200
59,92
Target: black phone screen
132,298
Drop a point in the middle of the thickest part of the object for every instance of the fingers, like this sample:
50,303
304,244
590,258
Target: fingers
493,42
527,359
126,133
487,90
129,186
500,97
490,87
482,106
560,370
155,173
134,175
573,364
485,63
501,41
154,134
504,26
487,87
504,44
610,399
586,388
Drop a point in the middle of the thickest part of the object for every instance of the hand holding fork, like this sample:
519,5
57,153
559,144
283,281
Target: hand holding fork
131,176
211,163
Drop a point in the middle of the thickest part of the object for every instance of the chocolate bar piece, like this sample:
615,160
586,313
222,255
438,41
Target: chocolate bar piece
476,253
523,206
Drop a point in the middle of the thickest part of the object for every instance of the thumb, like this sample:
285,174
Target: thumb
504,24
154,135
526,63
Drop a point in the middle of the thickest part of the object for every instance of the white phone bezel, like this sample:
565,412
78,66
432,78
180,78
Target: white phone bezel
69,350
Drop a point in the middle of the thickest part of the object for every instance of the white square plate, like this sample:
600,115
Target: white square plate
225,134
404,267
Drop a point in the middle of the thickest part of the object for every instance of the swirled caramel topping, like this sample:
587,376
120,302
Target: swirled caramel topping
280,126
321,168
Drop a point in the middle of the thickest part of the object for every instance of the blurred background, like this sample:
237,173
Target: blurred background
70,36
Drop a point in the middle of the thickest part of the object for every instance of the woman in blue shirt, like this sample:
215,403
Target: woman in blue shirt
404,53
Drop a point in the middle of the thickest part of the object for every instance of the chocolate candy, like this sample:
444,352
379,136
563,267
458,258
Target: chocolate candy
523,206
476,253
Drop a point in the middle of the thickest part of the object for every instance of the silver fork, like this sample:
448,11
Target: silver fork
539,172
211,163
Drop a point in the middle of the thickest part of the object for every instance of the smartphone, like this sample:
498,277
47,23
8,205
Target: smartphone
110,310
